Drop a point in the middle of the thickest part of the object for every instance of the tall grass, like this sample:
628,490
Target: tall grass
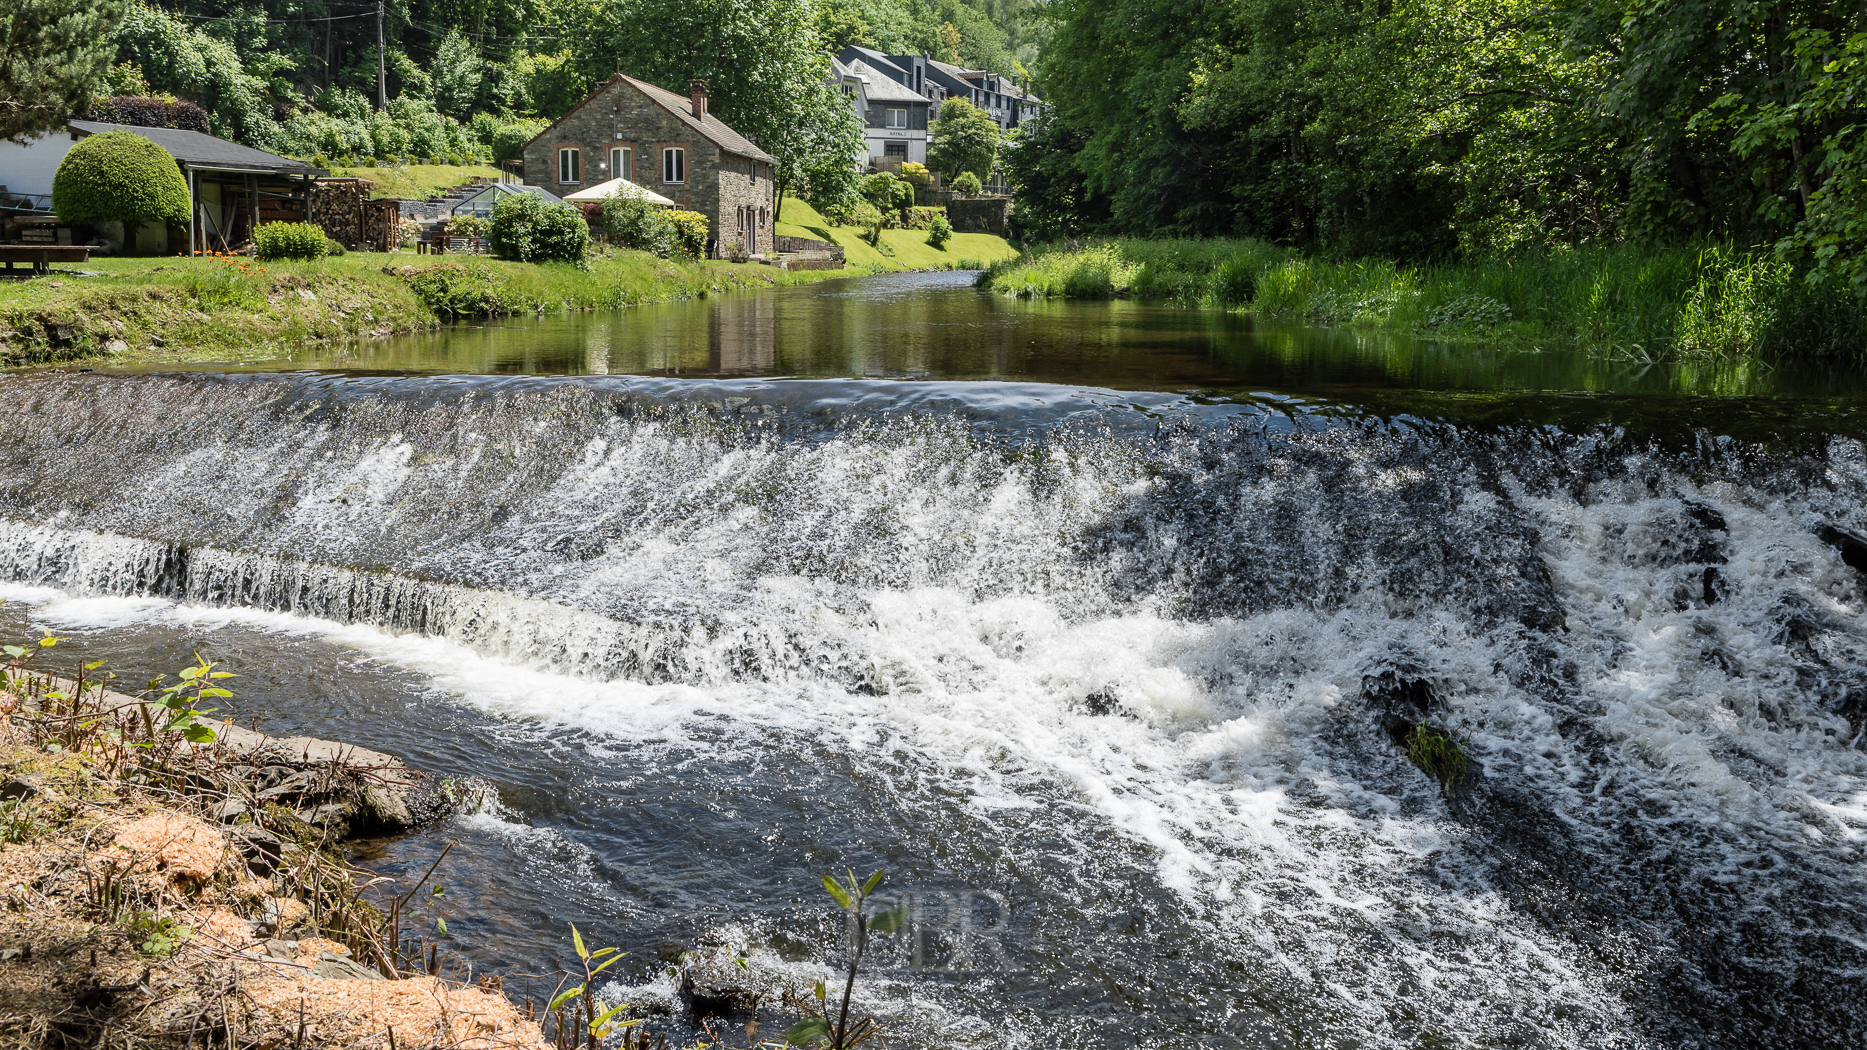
1642,302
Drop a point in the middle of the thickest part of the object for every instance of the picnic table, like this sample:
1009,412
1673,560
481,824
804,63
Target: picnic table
42,256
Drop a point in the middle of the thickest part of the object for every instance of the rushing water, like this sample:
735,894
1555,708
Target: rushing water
1094,674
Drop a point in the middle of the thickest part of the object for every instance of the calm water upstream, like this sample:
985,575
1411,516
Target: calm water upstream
1075,618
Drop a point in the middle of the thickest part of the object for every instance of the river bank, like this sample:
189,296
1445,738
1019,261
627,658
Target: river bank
168,877
1632,303
179,310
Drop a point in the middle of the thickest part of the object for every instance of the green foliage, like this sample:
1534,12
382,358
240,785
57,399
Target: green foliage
456,290
119,176
1437,755
156,934
333,246
923,218
183,700
20,820
1625,300
288,240
690,233
964,139
633,223
590,1020
820,1027
939,232
889,195
1423,128
966,184
528,229
916,175
53,55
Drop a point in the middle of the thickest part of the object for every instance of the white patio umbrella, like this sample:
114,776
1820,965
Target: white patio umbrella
618,188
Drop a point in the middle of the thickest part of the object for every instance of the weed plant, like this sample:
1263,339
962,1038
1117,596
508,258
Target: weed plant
1631,301
1437,755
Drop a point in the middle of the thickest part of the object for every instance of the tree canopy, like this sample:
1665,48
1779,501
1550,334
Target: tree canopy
53,55
963,139
1424,127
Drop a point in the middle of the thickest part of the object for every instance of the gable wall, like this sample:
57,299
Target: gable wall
718,183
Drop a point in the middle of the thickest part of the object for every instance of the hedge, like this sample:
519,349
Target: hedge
527,229
119,176
690,233
288,240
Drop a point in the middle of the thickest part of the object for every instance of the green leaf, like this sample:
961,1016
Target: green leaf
440,924
606,965
577,940
815,1028
840,894
609,1013
14,650
600,952
223,674
94,665
216,693
199,734
890,920
566,996
189,674
874,881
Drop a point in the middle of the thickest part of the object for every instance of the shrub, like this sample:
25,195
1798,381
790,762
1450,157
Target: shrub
630,222
119,176
462,290
916,175
468,226
864,215
940,232
966,184
690,233
319,160
527,229
888,193
333,246
923,218
288,240
151,111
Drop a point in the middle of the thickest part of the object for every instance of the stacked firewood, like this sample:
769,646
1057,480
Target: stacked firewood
337,206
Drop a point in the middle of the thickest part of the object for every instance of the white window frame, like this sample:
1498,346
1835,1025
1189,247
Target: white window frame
622,163
574,169
673,166
890,116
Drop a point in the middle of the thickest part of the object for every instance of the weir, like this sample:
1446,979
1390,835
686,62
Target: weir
1130,662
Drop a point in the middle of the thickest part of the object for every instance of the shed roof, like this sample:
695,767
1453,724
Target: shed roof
205,151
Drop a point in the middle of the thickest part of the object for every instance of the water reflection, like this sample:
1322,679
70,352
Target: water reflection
937,326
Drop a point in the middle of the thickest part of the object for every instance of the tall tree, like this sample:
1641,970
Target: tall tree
963,139
53,54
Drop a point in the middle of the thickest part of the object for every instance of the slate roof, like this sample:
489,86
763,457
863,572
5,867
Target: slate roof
883,88
205,151
712,129
879,62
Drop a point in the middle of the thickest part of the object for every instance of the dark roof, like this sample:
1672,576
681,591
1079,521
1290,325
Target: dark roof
205,151
713,127
877,61
883,88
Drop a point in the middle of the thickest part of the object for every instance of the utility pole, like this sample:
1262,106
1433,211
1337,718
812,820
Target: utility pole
382,78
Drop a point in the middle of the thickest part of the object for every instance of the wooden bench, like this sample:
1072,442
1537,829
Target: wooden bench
42,256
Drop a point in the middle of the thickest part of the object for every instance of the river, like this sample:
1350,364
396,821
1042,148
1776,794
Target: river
1074,617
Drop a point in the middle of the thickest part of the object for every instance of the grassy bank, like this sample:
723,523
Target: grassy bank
199,309
906,249
1649,303
417,182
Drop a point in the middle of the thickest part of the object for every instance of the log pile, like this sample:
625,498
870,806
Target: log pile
337,207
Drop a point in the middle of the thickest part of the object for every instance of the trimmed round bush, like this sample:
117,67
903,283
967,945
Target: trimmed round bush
119,176
527,229
288,240
333,246
966,184
939,231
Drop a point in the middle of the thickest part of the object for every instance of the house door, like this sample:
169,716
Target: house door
751,229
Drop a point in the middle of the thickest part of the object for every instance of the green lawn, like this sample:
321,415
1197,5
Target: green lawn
417,182
911,250
176,309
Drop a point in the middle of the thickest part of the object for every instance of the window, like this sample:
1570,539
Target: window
673,166
897,118
754,166
570,166
622,163
895,149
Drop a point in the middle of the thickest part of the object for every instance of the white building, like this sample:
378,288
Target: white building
895,121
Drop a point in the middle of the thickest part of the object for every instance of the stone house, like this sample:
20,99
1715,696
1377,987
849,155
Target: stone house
659,140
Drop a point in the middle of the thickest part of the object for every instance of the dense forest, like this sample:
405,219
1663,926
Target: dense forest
479,77
1433,128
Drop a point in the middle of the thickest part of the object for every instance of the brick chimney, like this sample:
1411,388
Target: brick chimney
697,94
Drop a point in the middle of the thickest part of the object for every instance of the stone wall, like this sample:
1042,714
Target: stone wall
979,214
717,183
